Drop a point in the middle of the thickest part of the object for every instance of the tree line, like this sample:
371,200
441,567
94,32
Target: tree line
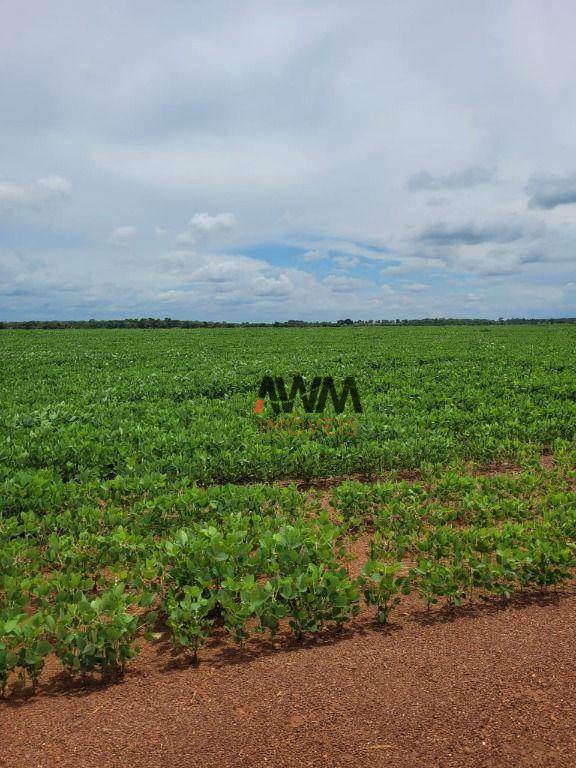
167,322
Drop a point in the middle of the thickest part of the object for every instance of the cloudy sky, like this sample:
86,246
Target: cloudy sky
275,160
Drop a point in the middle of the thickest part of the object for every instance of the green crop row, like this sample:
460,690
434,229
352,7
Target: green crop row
243,568
88,584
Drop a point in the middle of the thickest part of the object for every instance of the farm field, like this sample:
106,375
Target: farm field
170,561
96,405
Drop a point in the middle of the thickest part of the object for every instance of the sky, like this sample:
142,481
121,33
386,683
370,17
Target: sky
261,161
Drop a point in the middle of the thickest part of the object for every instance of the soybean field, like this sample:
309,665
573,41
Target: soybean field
145,499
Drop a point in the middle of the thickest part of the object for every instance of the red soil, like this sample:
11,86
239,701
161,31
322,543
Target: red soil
489,686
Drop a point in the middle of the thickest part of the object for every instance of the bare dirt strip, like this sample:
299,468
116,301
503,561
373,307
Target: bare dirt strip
545,460
489,685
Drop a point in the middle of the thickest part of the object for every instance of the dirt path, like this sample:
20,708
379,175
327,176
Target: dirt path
491,686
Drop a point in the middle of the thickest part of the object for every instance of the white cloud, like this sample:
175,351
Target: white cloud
191,266
345,247
203,227
173,296
122,236
230,281
34,195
